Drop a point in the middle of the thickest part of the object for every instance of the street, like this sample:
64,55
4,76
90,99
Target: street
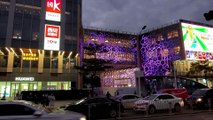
194,115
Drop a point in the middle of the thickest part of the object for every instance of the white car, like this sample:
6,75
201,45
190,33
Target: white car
159,102
127,100
24,110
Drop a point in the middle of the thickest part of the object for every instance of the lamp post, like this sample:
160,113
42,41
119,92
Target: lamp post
139,60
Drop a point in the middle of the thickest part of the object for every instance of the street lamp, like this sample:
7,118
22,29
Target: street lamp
138,59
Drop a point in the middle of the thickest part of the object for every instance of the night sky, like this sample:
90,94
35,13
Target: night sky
132,15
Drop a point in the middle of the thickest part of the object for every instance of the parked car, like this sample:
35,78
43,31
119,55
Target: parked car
97,107
127,100
24,110
178,92
201,98
155,102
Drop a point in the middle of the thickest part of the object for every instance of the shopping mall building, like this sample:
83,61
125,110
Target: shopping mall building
39,45
42,41
157,58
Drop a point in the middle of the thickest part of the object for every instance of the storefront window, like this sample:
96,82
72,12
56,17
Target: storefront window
58,85
4,89
3,61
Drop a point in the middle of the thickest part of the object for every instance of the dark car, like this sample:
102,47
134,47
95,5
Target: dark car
97,107
201,99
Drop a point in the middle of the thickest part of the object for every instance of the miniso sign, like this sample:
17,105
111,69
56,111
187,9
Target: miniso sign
24,78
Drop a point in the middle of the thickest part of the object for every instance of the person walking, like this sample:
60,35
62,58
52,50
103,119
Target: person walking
108,95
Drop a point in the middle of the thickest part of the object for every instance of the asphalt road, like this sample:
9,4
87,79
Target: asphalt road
193,115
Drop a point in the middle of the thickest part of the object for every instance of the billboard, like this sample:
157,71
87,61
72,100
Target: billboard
198,41
53,10
52,37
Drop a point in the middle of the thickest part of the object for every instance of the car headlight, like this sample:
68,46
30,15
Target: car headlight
83,118
199,100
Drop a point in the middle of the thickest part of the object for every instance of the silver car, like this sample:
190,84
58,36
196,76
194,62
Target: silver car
127,100
24,110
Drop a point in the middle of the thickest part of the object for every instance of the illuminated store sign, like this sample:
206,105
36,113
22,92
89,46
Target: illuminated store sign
53,10
198,41
24,78
29,56
52,37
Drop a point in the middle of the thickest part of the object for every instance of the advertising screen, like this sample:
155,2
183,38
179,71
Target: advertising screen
53,10
52,37
198,41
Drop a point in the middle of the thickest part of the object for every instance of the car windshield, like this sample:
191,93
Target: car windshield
80,101
150,97
199,92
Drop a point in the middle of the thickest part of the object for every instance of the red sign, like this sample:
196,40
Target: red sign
53,6
52,31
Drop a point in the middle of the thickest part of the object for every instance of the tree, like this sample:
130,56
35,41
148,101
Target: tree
208,16
91,66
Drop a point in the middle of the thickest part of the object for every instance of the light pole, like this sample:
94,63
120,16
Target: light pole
139,60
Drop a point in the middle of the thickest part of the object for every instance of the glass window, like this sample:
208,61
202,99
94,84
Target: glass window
165,97
3,23
17,62
26,64
3,61
27,27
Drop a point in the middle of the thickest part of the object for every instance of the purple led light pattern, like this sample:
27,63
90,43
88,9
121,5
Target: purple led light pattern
157,54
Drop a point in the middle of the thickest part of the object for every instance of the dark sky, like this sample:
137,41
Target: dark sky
132,15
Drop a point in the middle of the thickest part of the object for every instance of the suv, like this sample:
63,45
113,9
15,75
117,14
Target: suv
201,98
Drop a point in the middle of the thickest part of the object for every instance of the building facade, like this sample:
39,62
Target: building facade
166,55
39,44
118,50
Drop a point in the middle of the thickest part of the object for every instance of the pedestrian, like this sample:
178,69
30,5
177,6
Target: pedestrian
51,99
108,95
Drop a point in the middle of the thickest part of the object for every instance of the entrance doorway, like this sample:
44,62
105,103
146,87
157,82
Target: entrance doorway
14,89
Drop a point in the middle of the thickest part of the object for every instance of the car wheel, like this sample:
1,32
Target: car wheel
177,108
113,113
151,109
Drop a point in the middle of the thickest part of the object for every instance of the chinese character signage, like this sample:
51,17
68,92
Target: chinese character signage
53,10
52,37
198,41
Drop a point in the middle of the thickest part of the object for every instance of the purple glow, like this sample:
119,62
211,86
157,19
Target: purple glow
157,54
115,48
119,78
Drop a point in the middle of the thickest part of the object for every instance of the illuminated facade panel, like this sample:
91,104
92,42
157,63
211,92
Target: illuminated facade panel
198,41
119,78
53,10
52,37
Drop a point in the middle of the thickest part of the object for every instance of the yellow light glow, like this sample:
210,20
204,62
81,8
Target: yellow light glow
7,49
2,52
69,54
21,51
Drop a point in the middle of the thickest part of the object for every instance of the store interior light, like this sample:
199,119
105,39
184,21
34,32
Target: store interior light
7,49
39,52
2,53
69,54
63,53
14,52
21,51
30,51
